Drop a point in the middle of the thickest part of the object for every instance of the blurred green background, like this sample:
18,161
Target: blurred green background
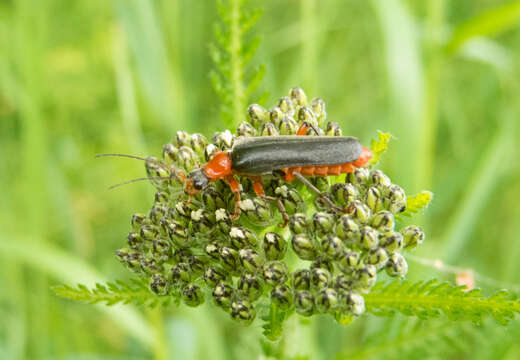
84,77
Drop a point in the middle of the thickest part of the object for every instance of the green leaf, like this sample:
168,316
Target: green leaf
488,23
136,293
379,146
273,326
417,202
432,299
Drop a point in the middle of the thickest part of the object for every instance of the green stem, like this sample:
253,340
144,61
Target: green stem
237,68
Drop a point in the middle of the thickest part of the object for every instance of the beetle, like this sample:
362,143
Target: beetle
290,156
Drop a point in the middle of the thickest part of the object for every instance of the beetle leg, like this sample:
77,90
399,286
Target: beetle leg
259,191
235,189
302,131
325,198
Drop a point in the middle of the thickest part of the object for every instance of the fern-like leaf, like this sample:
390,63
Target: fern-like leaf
432,299
274,320
134,292
379,146
231,54
416,203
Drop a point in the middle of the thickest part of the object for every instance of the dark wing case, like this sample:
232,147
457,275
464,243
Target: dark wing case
264,154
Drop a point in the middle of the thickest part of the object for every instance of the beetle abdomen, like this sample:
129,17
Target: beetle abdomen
263,155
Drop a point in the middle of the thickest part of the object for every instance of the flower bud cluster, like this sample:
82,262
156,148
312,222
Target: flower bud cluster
193,249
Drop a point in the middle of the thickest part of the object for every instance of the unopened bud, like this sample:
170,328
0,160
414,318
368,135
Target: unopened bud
158,284
246,129
282,296
298,96
326,300
257,115
243,311
298,223
274,246
304,302
250,259
275,272
303,246
413,236
192,295
383,221
250,285
301,279
396,266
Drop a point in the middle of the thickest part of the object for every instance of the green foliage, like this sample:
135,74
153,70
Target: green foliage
417,202
231,54
274,320
379,146
431,299
133,292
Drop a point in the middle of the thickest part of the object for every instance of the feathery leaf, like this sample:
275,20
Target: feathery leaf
416,203
379,146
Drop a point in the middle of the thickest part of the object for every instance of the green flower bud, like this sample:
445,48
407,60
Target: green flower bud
209,152
187,158
322,183
139,220
246,129
304,302
269,129
377,257
396,207
291,199
149,232
154,170
392,241
373,199
379,180
256,210
276,115
298,97
251,286
383,221
298,223
320,278
182,138
192,295
322,263
304,247
181,213
348,230
275,272
212,199
161,198
213,275
134,241
222,294
223,140
131,259
301,279
396,266
306,115
223,221
161,250
365,278
250,259
198,143
242,237
149,265
282,296
360,211
257,115
326,300
286,105
170,154
331,246
213,250
229,258
359,177
243,311
353,303
274,246
369,238
413,236
181,255
158,284
323,222
395,194
348,261
344,194
180,273
197,264
318,107
343,283
202,222
333,129
178,233
287,126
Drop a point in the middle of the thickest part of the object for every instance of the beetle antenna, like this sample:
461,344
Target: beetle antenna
160,178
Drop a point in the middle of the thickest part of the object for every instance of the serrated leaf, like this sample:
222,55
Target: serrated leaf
379,146
432,299
417,202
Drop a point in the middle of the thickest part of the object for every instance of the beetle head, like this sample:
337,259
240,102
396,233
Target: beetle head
197,181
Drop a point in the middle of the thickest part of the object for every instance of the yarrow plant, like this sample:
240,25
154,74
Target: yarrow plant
190,249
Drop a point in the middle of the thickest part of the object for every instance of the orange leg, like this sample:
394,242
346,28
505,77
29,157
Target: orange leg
235,189
302,131
259,191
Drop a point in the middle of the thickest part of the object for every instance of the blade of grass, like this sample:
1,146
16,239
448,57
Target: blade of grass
488,23
69,269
